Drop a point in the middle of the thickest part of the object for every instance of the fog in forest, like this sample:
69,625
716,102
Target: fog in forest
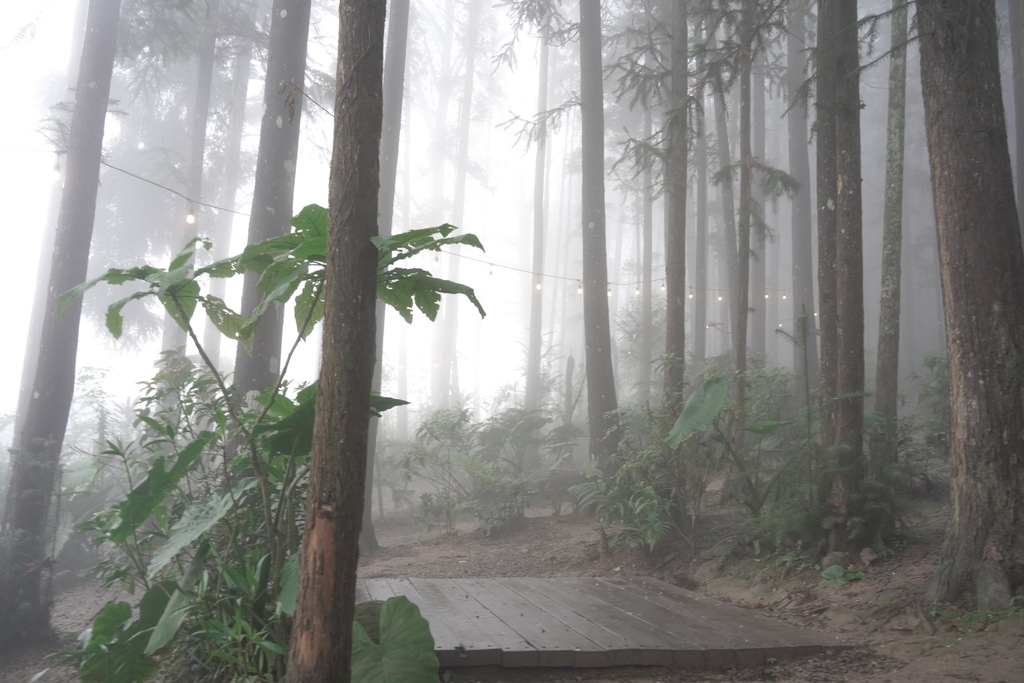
536,339
142,201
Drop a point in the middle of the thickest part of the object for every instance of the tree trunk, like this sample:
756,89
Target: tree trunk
849,416
321,644
35,465
739,289
174,336
394,89
983,295
601,398
759,265
675,226
532,394
700,261
275,180
825,82
646,274
1016,21
805,352
887,370
35,325
229,187
441,373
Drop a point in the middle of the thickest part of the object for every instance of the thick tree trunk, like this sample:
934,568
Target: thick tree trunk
825,82
601,397
884,450
849,416
35,325
739,298
728,210
675,226
275,180
983,294
24,613
1016,21
321,645
805,352
394,90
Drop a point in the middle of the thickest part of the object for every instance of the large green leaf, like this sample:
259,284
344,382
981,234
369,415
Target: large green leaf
196,521
700,410
405,653
137,507
289,585
179,604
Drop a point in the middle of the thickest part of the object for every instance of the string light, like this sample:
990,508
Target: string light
783,297
637,290
690,295
766,295
609,290
537,285
190,217
719,297
579,287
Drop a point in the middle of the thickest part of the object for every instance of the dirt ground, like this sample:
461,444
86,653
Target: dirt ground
895,638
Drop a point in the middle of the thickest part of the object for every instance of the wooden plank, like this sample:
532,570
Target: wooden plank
777,639
614,649
686,636
447,645
556,643
652,645
480,630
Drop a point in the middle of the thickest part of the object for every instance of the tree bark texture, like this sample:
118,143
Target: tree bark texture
700,260
675,227
321,645
887,369
805,353
825,82
849,416
983,296
393,93
274,185
1016,21
601,399
35,464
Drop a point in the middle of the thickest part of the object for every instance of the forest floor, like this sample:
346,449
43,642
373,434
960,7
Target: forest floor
895,636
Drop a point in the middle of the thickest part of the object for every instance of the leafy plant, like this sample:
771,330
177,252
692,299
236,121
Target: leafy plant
404,652
837,576
214,485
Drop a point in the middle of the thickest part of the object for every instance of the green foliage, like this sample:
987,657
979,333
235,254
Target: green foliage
212,487
404,652
837,576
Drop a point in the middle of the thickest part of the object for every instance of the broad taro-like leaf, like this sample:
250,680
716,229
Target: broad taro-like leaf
701,409
405,653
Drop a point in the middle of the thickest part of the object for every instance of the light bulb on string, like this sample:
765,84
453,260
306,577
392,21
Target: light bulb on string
690,295
663,285
637,290
190,216
719,297
609,290
579,287
537,286
783,297
766,295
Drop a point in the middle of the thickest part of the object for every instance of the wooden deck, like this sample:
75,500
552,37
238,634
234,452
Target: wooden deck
591,622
